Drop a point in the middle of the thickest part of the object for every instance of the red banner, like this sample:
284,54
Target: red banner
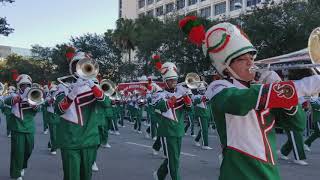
138,86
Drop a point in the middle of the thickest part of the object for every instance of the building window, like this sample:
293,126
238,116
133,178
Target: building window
141,3
180,4
253,2
192,2
159,11
169,7
150,13
220,8
205,12
149,2
232,5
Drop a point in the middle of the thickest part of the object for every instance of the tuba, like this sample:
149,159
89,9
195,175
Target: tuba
108,87
35,96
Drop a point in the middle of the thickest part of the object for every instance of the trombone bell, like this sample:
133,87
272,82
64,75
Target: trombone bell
35,96
108,87
87,68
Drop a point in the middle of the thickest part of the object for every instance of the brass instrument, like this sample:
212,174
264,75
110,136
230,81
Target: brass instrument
193,81
313,50
87,68
108,87
35,96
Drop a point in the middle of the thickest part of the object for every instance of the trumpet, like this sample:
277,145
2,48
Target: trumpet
314,54
193,81
35,96
108,87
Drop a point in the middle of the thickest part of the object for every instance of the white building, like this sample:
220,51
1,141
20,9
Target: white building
210,9
7,50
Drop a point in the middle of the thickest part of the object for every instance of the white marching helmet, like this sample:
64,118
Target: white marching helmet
169,71
224,42
23,79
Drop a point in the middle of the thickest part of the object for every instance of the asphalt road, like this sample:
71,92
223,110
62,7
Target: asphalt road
130,157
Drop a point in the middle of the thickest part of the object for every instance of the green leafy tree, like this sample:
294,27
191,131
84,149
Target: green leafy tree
4,26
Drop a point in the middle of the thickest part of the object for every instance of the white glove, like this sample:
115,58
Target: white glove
90,83
268,77
25,93
74,92
308,86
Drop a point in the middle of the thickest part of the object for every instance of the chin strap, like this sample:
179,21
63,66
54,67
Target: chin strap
235,75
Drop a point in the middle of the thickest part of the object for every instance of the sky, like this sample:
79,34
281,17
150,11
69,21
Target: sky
51,22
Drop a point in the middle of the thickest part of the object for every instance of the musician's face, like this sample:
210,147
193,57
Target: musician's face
24,87
172,83
241,66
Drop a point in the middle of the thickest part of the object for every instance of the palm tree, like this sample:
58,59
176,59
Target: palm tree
124,35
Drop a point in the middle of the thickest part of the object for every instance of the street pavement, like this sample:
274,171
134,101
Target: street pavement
131,158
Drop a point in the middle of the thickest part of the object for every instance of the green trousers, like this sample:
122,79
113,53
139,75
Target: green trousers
171,164
203,132
22,145
53,136
295,144
314,135
104,130
77,163
137,124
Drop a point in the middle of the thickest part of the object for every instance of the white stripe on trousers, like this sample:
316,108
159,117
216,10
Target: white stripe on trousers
318,126
294,145
201,131
168,165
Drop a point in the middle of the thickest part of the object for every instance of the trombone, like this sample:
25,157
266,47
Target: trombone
85,68
313,50
193,81
108,87
35,96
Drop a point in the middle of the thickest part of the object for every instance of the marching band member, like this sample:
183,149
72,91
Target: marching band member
203,114
52,119
78,133
114,120
45,112
173,103
244,111
7,110
22,127
294,129
315,105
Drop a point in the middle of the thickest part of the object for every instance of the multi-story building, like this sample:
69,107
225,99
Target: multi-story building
210,9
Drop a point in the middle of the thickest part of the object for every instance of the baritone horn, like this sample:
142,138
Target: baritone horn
313,50
35,96
87,68
108,87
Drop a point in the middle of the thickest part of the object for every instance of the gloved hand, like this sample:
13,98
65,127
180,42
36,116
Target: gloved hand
80,82
172,101
187,100
204,99
268,77
90,83
74,92
16,99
